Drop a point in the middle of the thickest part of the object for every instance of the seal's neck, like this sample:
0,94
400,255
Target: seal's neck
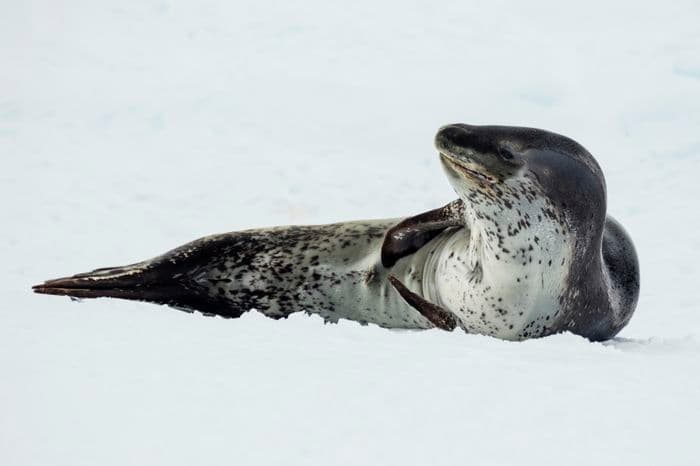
526,239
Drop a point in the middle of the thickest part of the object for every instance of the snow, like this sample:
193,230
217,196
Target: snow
128,128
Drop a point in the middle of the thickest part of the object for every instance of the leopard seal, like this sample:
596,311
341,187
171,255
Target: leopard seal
526,251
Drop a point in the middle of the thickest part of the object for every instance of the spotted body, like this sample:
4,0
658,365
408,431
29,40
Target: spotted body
331,270
525,252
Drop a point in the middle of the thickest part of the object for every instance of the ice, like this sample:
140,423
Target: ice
128,128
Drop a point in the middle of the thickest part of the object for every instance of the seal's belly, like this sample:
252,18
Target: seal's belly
489,297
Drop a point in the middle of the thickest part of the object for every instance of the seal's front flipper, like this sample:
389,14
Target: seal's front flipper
415,232
438,316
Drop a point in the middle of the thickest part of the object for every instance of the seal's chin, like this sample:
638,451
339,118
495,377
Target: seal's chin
466,169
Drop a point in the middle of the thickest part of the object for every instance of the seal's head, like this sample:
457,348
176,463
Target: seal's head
535,204
512,165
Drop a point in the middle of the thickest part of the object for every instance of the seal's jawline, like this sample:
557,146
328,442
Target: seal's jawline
459,165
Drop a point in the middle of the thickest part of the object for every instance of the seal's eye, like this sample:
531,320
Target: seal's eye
505,153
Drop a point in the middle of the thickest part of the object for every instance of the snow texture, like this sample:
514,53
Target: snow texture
130,127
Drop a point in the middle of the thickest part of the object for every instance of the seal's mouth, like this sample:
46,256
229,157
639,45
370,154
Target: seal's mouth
471,170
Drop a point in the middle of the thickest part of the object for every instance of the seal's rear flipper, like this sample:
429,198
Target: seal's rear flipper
163,280
439,317
415,232
113,282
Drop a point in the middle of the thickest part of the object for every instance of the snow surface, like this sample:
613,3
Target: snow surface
130,127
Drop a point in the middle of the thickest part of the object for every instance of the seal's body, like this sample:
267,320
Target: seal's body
526,251
331,270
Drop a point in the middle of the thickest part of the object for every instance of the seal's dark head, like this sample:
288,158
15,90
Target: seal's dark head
497,160
532,192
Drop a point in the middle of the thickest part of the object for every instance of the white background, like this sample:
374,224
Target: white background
130,127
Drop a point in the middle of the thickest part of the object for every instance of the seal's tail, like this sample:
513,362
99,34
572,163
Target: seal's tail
133,281
168,279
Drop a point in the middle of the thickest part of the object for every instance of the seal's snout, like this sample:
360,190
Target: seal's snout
462,154
450,138
485,153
